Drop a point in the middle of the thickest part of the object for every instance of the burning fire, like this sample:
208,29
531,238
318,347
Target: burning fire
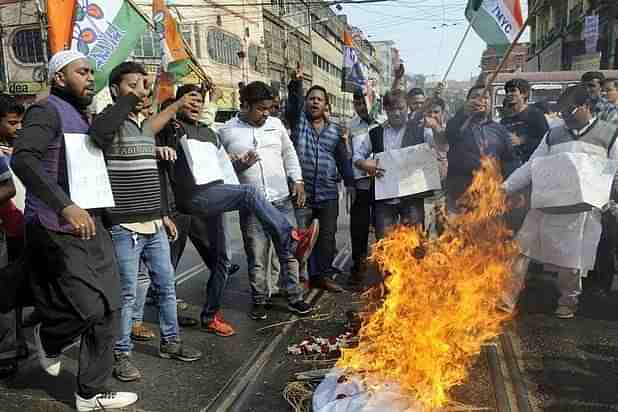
442,296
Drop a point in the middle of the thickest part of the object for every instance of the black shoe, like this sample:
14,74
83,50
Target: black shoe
233,269
124,369
177,350
258,311
187,322
300,308
326,284
8,369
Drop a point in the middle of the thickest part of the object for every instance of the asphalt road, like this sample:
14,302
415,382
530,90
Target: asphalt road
568,365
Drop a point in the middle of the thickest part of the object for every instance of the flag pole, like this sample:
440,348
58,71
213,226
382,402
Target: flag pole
512,45
459,47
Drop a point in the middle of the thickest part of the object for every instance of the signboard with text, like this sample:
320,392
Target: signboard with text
18,88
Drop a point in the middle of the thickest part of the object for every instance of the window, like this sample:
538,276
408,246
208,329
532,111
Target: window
149,45
198,41
223,48
27,46
253,57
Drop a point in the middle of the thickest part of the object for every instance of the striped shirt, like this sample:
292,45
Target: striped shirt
133,174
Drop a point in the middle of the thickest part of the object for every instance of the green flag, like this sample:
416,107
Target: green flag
106,31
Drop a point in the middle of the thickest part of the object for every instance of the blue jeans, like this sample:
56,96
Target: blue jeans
263,265
213,200
154,250
143,283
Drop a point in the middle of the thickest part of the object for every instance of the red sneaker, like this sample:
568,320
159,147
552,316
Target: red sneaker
219,326
306,239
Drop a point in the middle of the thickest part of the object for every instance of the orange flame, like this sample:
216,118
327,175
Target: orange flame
440,308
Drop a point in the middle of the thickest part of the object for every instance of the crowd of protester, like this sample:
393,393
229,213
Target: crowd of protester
88,271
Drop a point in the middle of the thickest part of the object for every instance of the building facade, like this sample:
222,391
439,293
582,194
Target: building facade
573,35
228,42
492,57
23,59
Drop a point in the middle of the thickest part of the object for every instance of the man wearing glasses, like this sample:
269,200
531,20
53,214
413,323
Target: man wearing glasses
564,241
391,136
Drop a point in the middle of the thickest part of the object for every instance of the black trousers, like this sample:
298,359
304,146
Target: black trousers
321,260
208,237
76,289
360,220
603,274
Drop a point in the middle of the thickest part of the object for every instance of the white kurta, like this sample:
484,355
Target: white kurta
564,240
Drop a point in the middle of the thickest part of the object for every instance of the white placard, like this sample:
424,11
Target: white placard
571,182
89,185
407,171
229,174
207,163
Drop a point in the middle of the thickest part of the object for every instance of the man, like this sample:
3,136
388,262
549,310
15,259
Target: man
322,154
74,276
470,134
140,224
416,101
390,136
11,114
566,242
266,159
12,345
526,124
601,108
610,90
360,210
203,193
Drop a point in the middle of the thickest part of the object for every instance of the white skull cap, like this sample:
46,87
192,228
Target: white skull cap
61,60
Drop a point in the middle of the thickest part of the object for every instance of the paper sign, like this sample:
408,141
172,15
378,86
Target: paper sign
207,163
89,185
407,171
571,182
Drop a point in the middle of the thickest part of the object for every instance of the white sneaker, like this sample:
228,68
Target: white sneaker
50,365
105,400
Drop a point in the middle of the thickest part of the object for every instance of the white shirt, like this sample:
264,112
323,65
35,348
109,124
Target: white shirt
278,159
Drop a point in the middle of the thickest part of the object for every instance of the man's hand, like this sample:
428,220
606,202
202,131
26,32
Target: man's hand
515,201
432,123
298,73
371,167
516,140
189,102
166,153
298,192
81,221
475,106
400,71
6,150
170,228
246,160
